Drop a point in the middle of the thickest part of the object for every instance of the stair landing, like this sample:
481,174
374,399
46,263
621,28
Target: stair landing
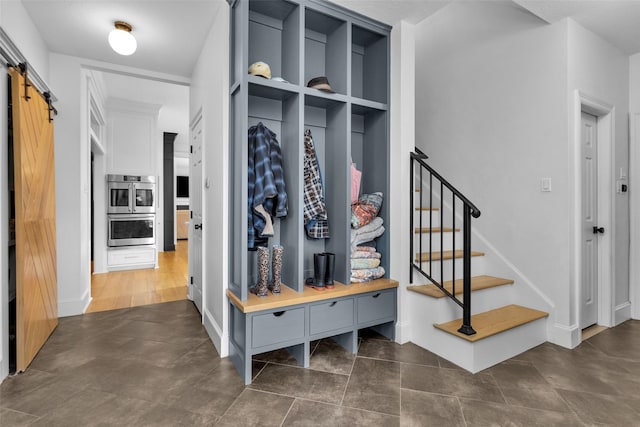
493,322
477,283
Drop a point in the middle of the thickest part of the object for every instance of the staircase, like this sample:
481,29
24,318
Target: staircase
467,316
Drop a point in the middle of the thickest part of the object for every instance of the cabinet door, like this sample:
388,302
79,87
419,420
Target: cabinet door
277,327
331,315
377,306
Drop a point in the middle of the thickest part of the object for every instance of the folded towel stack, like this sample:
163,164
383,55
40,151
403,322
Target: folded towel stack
365,261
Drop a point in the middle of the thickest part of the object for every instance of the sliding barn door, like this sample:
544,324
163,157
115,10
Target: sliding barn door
35,205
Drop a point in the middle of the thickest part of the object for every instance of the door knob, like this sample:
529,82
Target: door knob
199,227
597,230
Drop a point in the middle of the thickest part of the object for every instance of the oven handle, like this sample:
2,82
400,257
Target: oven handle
132,199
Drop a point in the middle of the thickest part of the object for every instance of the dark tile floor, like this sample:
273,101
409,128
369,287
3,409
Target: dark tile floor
155,366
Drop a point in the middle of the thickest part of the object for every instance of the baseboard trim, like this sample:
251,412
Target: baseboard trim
622,313
74,307
215,333
403,332
565,336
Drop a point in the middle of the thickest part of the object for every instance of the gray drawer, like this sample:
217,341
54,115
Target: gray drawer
376,306
279,326
331,315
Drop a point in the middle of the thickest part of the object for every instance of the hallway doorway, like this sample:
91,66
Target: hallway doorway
137,112
132,288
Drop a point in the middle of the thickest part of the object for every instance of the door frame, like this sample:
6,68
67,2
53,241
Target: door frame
198,117
605,114
634,207
4,228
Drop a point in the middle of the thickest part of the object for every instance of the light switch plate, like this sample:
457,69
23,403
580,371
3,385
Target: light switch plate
545,185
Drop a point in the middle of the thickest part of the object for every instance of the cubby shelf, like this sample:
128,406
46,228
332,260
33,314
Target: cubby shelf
301,40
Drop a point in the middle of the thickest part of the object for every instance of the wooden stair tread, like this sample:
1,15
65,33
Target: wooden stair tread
427,209
424,257
493,322
435,230
477,283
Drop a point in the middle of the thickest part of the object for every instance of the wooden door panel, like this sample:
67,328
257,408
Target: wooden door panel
34,180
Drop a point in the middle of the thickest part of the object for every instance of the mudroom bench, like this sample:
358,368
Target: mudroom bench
292,320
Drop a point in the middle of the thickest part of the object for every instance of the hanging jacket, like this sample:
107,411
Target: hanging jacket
266,186
315,211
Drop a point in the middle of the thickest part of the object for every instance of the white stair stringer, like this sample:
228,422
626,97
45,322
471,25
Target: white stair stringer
472,356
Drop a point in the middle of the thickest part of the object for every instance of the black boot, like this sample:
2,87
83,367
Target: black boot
319,268
330,269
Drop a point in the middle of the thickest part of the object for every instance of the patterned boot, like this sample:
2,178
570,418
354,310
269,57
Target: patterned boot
261,288
276,269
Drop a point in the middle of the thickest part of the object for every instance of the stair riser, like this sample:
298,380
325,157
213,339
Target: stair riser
444,309
477,267
435,218
447,240
471,356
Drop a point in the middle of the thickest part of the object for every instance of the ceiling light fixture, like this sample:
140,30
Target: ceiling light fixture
121,40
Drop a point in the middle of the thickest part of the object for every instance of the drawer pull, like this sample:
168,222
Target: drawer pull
279,313
376,295
333,303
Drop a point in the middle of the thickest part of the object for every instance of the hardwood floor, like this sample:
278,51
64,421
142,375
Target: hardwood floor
131,288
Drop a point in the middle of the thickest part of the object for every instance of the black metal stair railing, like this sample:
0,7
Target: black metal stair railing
440,188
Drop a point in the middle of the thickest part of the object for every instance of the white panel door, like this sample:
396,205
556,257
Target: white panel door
195,204
590,228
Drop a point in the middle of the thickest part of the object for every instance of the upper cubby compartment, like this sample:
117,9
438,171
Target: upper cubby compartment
369,65
325,50
274,27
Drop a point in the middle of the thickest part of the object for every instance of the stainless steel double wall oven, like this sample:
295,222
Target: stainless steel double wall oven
131,210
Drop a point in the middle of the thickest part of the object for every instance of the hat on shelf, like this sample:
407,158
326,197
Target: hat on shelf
261,69
320,83
279,79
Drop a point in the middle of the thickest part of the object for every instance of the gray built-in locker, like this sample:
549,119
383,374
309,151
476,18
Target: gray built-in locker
301,40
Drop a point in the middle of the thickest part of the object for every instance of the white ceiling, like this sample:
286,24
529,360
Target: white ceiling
617,21
393,11
171,33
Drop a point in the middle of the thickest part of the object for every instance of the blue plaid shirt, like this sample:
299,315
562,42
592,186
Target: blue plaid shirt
265,184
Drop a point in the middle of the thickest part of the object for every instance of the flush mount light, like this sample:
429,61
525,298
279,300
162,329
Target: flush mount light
121,39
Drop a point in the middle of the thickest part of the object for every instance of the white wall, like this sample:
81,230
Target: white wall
15,21
18,25
494,98
601,71
403,85
210,94
492,106
72,153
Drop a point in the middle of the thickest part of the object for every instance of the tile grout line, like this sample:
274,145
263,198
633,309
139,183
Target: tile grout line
464,419
346,386
504,397
346,407
555,390
288,411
